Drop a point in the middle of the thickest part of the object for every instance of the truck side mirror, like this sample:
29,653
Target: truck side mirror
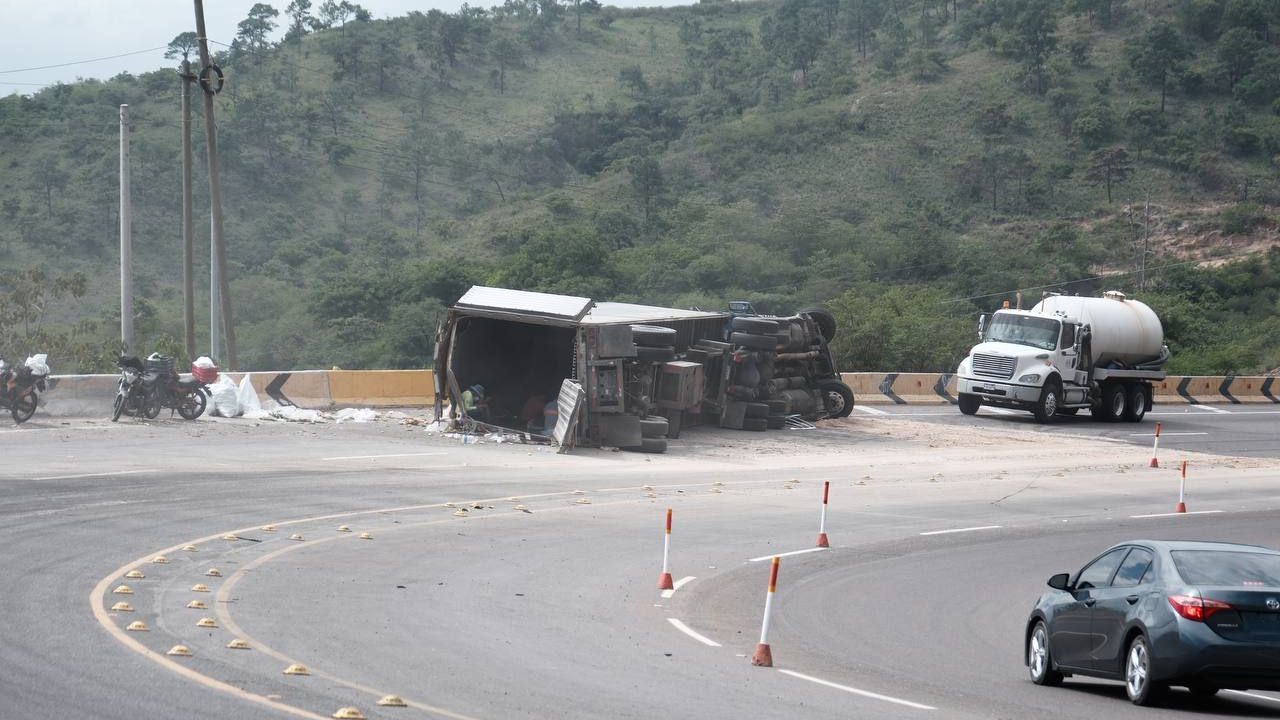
982,326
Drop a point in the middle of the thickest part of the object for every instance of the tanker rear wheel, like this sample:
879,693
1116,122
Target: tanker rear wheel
1136,403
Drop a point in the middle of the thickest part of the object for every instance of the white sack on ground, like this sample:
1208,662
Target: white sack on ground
247,397
359,415
222,398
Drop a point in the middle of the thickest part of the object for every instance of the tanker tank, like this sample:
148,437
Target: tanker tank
1124,330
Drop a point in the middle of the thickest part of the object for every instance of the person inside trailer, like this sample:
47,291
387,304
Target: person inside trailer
474,404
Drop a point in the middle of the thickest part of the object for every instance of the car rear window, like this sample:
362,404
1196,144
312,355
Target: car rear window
1239,569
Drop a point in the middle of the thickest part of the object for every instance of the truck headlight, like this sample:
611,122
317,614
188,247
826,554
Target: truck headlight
1030,378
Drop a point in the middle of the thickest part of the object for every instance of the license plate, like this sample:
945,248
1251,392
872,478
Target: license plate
988,387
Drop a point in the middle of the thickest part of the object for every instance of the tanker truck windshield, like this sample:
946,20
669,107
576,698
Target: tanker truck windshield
1035,332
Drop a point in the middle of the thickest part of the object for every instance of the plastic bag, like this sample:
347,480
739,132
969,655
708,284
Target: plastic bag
38,364
223,398
359,415
247,398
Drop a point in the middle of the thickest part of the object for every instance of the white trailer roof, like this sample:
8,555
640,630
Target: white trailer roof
612,313
567,309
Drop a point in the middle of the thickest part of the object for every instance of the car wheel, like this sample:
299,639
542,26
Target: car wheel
1050,398
1040,659
1135,407
969,404
1138,683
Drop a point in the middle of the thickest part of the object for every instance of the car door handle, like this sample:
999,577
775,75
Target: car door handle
1090,602
1133,599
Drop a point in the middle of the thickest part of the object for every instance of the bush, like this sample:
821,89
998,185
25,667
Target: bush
1241,218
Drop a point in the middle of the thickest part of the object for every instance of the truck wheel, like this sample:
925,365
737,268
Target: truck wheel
776,422
649,445
1050,398
777,407
969,404
1136,403
653,426
757,424
653,335
758,326
757,410
826,322
1113,402
837,397
753,341
650,353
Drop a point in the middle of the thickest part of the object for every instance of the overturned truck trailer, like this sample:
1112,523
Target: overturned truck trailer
644,372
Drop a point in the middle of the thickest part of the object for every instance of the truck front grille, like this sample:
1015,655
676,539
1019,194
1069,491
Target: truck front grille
993,366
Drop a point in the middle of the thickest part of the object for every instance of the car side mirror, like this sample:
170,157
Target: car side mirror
1061,581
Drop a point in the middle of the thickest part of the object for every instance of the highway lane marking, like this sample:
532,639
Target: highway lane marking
961,530
762,558
223,612
95,474
376,457
1255,696
1166,434
692,633
677,585
869,410
1000,410
1212,409
856,691
1175,514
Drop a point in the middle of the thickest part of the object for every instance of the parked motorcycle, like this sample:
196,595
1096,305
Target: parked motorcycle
144,390
20,387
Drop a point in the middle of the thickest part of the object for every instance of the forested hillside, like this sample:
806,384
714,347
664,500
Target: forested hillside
909,163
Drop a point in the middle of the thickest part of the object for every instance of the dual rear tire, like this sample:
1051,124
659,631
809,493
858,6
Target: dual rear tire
1122,401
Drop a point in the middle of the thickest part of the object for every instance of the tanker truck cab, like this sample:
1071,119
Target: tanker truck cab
1064,355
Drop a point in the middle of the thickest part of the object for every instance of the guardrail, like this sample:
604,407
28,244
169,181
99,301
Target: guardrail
324,389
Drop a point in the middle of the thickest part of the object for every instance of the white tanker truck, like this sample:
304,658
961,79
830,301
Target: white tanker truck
1066,354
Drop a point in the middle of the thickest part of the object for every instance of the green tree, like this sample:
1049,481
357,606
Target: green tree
1108,167
647,183
1238,49
253,30
507,54
861,18
794,34
182,45
1035,40
300,20
51,177
1159,55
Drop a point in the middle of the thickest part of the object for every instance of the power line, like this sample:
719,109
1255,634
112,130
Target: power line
82,62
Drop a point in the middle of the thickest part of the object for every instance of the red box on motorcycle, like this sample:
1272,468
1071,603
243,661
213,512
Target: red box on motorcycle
206,375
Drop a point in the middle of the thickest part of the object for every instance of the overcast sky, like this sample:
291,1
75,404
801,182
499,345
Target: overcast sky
36,33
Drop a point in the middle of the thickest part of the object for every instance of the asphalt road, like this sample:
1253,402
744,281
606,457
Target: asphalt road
541,602
1234,430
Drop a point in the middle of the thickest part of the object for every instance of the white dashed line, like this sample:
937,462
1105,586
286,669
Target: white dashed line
1176,514
1166,434
960,530
94,475
375,457
692,633
762,558
1255,696
1212,409
856,691
677,585
869,410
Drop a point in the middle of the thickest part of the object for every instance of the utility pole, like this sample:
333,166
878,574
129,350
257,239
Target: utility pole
188,289
1146,238
126,237
221,289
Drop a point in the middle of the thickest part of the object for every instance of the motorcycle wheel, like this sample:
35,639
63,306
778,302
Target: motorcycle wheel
192,405
24,407
118,407
150,406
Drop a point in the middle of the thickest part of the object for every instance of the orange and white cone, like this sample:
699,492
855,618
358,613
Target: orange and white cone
822,524
664,580
763,656
1182,490
1155,446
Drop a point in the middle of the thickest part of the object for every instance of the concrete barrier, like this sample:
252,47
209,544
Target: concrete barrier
381,388
91,395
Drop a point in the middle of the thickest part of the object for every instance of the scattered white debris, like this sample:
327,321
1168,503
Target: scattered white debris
359,415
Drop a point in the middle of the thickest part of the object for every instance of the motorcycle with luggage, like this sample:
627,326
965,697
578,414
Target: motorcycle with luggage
20,387
144,389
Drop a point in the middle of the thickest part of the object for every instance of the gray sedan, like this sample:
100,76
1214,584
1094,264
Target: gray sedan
1153,614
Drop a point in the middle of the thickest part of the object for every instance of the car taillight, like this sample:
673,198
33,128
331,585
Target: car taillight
1196,608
